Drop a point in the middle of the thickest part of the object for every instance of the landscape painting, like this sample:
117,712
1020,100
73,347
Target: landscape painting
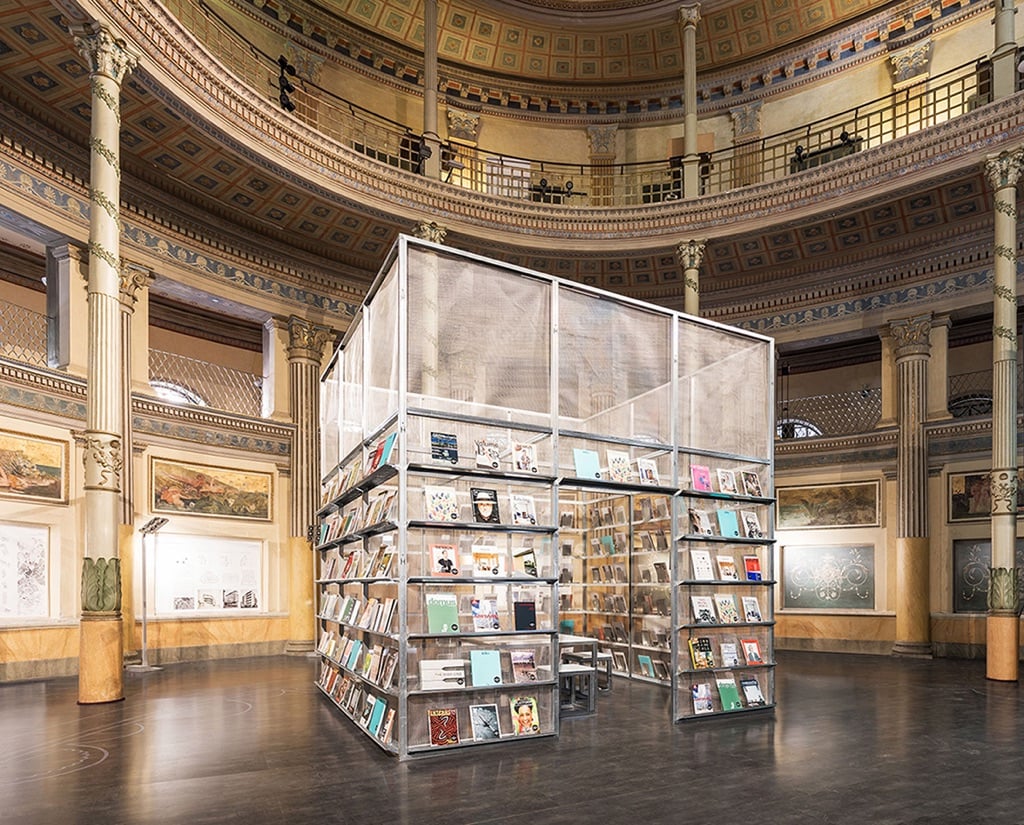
828,505
200,490
33,468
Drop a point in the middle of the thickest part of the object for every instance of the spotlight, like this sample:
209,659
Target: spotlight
285,86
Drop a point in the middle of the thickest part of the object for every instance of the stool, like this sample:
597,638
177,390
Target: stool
577,689
604,666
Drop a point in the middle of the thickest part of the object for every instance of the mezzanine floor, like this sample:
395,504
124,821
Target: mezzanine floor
855,739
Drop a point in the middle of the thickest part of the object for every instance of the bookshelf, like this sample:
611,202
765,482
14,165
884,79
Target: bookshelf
508,456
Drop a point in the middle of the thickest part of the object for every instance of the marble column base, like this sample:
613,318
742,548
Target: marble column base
299,647
100,659
915,650
1002,647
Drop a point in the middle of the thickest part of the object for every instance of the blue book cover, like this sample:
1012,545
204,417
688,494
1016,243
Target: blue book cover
728,524
485,667
588,465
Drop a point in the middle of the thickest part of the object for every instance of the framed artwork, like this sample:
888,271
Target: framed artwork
972,559
836,577
205,573
24,572
33,468
970,495
200,490
828,505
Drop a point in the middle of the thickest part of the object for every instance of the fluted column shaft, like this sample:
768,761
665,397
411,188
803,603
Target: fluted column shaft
690,255
305,352
101,651
431,138
912,350
689,16
1002,624
1004,55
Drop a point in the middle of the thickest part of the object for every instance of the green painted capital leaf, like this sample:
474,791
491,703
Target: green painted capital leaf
101,585
1002,589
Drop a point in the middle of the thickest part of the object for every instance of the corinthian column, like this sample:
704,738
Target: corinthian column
690,255
912,348
100,671
431,166
689,16
1002,627
305,351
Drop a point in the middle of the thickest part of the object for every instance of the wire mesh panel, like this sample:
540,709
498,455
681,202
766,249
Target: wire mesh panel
330,414
181,379
479,339
351,424
382,358
22,334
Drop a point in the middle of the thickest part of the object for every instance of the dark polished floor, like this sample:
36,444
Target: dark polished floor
855,739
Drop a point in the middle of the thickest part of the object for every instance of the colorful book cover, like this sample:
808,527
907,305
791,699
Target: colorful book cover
442,613
725,604
386,449
524,510
444,726
485,667
752,694
524,666
525,719
728,525
702,701
647,468
619,466
444,447
700,562
488,452
751,525
525,562
443,560
485,613
485,505
752,568
729,693
377,716
646,665
488,561
751,609
751,651
703,609
726,481
441,504
700,523
484,722
586,462
700,477
751,483
727,568
524,458
701,653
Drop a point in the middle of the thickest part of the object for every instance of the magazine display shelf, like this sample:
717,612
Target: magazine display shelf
471,408
725,598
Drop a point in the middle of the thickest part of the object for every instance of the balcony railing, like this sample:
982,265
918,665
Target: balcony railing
807,146
841,413
183,380
22,334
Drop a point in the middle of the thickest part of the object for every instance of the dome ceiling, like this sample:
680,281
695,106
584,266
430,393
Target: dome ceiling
591,41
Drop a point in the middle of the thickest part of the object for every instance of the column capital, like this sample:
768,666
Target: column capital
912,336
430,231
690,253
689,15
1004,170
306,340
134,279
746,120
106,55
602,138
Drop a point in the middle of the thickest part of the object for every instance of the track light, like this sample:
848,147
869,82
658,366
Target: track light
284,85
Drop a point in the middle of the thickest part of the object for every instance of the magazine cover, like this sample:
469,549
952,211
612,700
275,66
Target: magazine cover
525,720
444,726
485,505
444,447
484,721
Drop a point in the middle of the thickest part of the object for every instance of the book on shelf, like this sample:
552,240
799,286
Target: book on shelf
728,693
485,505
730,654
701,694
728,525
751,609
353,655
441,504
751,483
647,469
646,665
444,726
726,481
725,604
488,561
444,447
525,562
619,466
700,564
727,568
524,511
700,522
489,451
752,568
524,457
525,720
700,478
524,666
661,670
525,613
443,560
567,518
751,651
442,674
387,726
483,720
619,661
367,712
608,545
701,654
751,525
485,613
660,507
377,716
385,563
752,694
703,609
442,613
485,667
586,463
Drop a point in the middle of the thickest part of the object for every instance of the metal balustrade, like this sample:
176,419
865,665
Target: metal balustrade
928,103
22,334
180,379
841,413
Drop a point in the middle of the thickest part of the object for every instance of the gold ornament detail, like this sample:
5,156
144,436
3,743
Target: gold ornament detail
96,196
1004,492
912,335
104,255
104,152
690,253
306,339
430,231
105,54
99,91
